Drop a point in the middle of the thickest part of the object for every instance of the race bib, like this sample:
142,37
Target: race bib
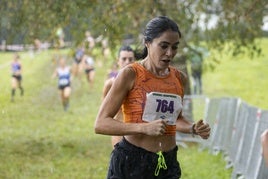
63,81
162,106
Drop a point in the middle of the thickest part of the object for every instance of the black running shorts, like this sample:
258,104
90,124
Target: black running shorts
131,162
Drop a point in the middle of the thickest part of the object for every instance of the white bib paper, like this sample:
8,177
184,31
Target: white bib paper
164,106
63,81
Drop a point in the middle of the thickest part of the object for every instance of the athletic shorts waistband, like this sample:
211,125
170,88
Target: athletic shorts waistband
126,145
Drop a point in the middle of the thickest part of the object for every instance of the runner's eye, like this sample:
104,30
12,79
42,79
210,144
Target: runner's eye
164,47
174,47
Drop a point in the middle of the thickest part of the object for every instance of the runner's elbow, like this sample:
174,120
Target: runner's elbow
98,128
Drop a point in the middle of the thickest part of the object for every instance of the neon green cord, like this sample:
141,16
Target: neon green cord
161,163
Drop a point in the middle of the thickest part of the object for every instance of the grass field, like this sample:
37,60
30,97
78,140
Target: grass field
39,140
240,77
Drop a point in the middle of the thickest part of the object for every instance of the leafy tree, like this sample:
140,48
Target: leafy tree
237,22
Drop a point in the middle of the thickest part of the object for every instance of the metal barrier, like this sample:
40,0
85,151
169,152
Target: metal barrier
210,117
245,141
223,124
236,128
255,165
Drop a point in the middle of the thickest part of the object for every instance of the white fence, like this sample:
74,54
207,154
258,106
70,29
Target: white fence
236,128
29,47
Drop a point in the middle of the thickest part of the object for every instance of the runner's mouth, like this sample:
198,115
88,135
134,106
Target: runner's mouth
166,61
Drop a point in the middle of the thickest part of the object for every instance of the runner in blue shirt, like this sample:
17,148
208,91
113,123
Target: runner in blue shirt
63,72
16,77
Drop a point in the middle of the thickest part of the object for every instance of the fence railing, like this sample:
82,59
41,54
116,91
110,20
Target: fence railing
29,47
236,128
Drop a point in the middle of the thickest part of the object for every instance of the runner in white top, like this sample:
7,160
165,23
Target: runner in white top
89,70
63,73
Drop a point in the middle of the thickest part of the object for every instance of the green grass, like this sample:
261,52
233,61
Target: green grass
240,77
39,140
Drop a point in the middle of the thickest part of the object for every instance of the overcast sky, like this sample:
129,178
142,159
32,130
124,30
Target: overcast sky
214,19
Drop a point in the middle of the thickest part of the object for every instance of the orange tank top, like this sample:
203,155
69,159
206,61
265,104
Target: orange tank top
146,82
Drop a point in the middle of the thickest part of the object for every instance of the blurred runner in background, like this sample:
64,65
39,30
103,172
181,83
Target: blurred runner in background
89,70
16,77
125,57
63,72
